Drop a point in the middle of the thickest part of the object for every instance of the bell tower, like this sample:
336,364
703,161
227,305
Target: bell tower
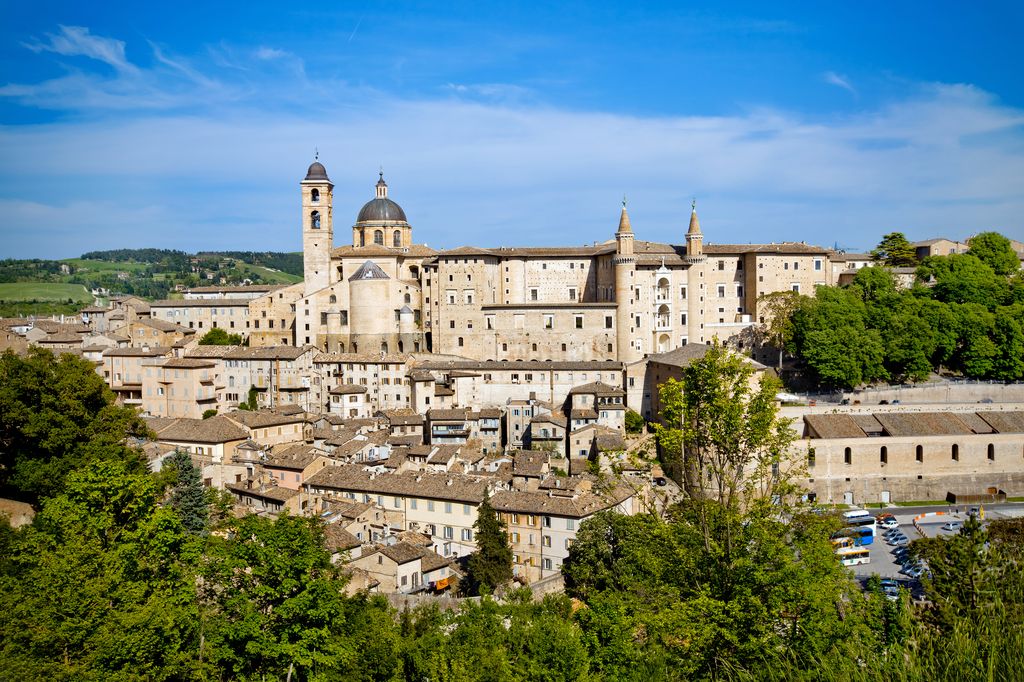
624,262
317,226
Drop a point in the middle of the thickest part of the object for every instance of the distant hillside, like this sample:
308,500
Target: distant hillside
150,273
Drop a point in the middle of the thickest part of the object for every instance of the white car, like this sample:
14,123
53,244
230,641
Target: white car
952,526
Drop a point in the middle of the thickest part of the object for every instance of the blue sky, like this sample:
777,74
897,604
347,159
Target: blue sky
126,125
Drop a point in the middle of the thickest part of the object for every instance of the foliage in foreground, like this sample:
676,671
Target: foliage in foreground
125,575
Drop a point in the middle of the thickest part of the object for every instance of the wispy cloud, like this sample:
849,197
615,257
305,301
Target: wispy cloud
840,81
74,41
487,163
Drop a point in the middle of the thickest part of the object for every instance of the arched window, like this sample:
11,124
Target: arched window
401,347
314,196
362,238
848,456
408,298
333,299
378,237
884,455
991,452
384,347
919,453
341,347
315,219
955,452
396,239
461,342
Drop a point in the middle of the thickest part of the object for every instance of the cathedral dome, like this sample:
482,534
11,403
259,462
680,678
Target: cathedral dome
381,209
317,172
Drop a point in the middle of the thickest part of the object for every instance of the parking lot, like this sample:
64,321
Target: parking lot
882,562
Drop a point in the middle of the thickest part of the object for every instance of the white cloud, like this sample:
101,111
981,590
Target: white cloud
77,41
833,78
483,164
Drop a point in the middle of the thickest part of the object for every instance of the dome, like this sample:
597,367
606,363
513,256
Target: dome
317,172
381,209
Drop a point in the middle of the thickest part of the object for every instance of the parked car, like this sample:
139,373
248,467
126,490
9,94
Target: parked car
889,524
952,526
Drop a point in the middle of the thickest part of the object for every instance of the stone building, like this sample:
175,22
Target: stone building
619,299
899,456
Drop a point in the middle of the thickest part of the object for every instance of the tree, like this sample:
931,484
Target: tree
778,308
57,415
722,427
491,564
219,337
634,422
100,584
995,251
273,602
188,497
895,251
964,278
212,412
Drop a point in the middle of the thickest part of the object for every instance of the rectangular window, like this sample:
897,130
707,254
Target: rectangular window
572,294
549,321
817,264
534,294
579,322
447,507
608,321
412,503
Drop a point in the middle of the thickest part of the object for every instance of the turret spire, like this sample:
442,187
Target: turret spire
624,225
694,223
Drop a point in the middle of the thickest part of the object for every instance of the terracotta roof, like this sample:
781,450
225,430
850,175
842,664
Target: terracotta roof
576,506
269,353
448,415
151,352
186,363
1004,422
376,250
596,388
582,413
362,358
401,552
163,325
551,418
262,418
293,458
782,247
438,486
867,423
337,539
402,417
922,424
442,390
347,389
832,426
217,429
273,493
529,463
490,413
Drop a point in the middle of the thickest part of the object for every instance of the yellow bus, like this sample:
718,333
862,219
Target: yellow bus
852,556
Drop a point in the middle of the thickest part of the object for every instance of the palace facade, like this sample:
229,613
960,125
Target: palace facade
619,299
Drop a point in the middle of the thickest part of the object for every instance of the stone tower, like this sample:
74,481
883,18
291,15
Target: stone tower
625,267
317,227
695,280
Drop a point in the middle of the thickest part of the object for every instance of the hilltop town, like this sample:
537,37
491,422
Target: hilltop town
397,387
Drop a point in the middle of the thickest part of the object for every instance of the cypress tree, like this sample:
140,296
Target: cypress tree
189,497
491,564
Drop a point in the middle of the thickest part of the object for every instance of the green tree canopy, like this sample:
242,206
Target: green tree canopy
219,337
895,251
56,415
995,251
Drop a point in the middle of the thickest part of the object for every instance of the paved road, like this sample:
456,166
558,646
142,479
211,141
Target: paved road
882,562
